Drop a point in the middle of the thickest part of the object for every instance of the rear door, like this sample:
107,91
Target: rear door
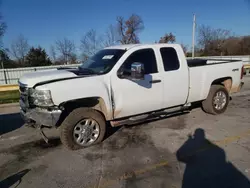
175,77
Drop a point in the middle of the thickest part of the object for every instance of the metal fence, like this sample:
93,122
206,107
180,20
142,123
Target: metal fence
11,76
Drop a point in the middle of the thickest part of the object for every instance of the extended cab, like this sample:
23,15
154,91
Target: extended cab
122,85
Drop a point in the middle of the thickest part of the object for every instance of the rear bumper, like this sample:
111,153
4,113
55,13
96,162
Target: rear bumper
41,116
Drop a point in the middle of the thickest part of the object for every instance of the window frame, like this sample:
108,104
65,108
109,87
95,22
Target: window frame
163,59
141,49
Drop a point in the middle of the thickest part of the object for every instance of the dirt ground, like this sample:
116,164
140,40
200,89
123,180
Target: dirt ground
189,151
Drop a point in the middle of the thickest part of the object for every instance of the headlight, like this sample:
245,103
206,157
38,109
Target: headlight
41,98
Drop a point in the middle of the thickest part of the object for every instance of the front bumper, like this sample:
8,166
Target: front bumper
42,117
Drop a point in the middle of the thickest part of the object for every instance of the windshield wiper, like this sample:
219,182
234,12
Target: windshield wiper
90,71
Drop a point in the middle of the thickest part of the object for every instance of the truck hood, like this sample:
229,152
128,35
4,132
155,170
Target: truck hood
33,78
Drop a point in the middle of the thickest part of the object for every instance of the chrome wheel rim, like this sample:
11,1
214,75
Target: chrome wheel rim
86,132
220,100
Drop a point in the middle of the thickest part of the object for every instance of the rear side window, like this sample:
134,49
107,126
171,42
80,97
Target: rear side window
170,59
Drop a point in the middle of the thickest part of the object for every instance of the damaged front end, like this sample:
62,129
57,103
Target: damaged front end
37,109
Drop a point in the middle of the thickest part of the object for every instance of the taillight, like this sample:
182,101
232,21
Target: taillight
242,72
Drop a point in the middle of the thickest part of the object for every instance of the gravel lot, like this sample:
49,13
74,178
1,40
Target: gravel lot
154,154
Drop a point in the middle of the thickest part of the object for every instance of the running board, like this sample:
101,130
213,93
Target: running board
143,117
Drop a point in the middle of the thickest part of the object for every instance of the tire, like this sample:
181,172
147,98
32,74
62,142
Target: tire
208,105
72,122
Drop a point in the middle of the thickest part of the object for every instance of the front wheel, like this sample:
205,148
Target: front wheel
83,127
217,100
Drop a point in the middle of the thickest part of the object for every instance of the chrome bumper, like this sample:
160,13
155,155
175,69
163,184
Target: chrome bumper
41,116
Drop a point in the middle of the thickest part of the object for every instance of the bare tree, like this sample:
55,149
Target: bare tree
66,48
121,30
90,43
53,53
3,27
111,36
129,29
212,40
185,48
232,46
167,38
19,48
245,45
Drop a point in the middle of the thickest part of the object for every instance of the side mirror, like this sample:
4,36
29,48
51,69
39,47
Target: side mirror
137,71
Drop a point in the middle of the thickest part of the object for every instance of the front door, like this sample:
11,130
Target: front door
137,97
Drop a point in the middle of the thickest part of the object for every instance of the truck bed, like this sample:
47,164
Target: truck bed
203,72
202,62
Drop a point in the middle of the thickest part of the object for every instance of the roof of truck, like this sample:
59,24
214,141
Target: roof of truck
124,46
128,46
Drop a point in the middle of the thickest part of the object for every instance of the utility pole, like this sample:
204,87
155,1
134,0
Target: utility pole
193,43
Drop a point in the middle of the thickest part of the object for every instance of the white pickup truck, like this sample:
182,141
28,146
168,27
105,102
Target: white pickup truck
122,85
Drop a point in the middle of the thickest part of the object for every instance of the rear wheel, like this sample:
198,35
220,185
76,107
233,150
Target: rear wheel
217,100
83,127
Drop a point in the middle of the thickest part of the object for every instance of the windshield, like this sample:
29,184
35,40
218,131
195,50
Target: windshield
103,61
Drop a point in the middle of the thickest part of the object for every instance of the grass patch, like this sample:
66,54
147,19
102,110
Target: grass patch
9,96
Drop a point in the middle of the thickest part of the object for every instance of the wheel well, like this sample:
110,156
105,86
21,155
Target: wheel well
96,103
226,82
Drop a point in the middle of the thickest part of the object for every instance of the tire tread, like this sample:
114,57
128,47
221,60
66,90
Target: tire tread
76,115
207,104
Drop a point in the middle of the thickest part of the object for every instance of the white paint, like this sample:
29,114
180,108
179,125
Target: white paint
202,77
14,74
176,83
34,77
93,86
123,47
136,97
